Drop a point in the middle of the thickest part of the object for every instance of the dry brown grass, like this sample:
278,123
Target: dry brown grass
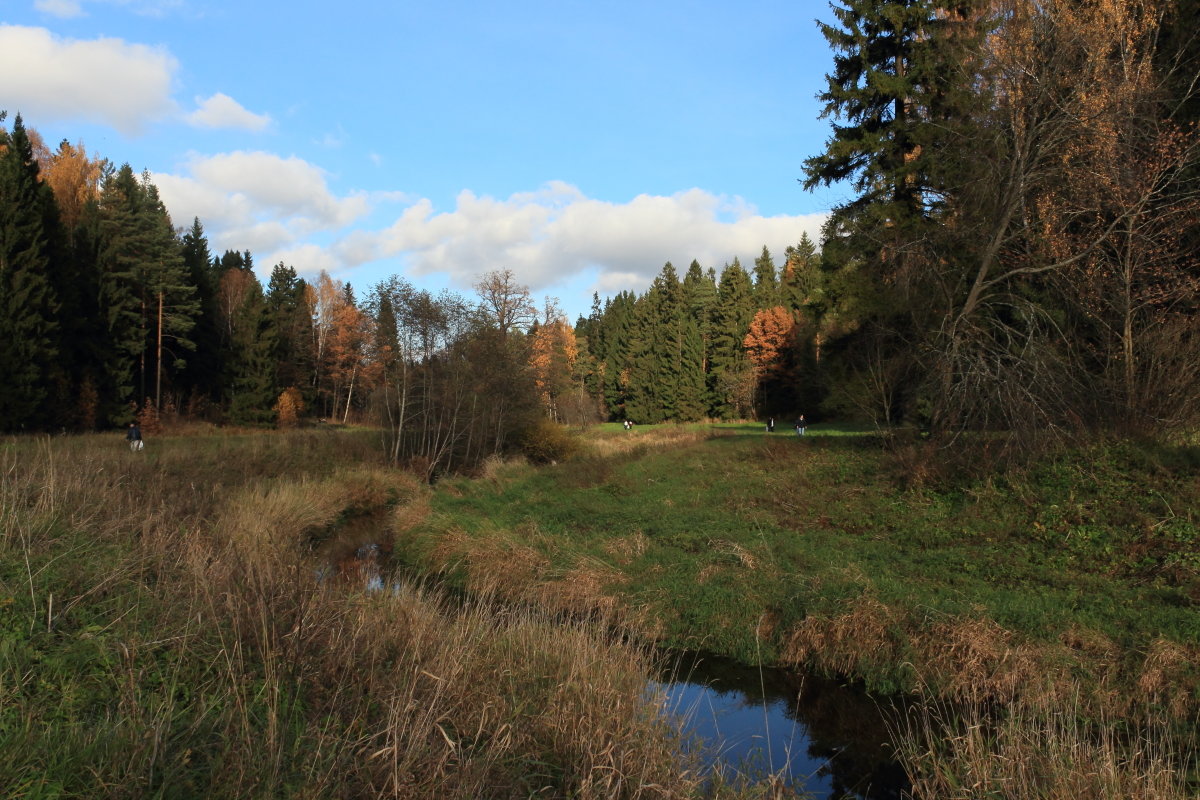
492,564
968,752
975,657
863,641
626,549
238,673
645,440
585,589
1163,677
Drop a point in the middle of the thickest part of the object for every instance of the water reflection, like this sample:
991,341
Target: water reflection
821,737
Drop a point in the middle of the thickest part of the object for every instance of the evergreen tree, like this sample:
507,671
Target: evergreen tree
895,82
589,334
618,352
171,298
730,375
28,305
291,324
692,393
801,280
766,281
146,294
252,390
202,375
904,84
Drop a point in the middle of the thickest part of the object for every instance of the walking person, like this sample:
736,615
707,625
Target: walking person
134,437
801,426
771,425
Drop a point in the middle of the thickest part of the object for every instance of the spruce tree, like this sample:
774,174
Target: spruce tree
801,280
731,319
766,281
692,392
618,348
171,295
28,305
147,296
291,325
202,375
252,389
903,90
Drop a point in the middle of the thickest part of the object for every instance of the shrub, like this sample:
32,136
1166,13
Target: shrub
546,442
289,407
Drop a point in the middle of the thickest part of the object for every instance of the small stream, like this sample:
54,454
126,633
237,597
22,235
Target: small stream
819,736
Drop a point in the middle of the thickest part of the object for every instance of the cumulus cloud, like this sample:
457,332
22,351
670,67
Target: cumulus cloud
551,235
257,201
222,111
104,80
282,209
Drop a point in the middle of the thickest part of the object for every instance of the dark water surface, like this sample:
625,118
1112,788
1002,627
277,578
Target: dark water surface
821,737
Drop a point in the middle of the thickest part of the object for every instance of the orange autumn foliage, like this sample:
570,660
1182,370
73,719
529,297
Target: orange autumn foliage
769,336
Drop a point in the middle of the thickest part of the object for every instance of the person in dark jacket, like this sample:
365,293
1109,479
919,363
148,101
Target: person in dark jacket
134,437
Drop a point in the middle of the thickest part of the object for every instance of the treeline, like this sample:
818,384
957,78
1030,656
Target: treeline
1021,254
710,347
109,314
112,314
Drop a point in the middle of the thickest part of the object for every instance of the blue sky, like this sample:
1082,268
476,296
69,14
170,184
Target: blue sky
581,145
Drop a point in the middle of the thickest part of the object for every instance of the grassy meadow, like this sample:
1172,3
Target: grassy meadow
1067,587
169,626
827,552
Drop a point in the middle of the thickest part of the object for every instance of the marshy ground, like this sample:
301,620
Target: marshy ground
164,630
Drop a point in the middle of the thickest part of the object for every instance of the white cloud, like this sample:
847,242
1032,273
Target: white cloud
74,8
257,201
64,9
222,111
307,259
104,80
282,209
556,233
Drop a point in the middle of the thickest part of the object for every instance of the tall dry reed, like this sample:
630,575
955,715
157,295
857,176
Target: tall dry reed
965,751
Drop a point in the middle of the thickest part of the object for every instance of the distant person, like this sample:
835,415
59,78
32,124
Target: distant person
771,425
801,425
134,437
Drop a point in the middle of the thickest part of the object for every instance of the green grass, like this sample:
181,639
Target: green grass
745,527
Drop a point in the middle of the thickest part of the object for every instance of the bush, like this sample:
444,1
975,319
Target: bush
546,442
289,407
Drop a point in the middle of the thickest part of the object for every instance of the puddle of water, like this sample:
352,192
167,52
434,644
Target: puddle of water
818,736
